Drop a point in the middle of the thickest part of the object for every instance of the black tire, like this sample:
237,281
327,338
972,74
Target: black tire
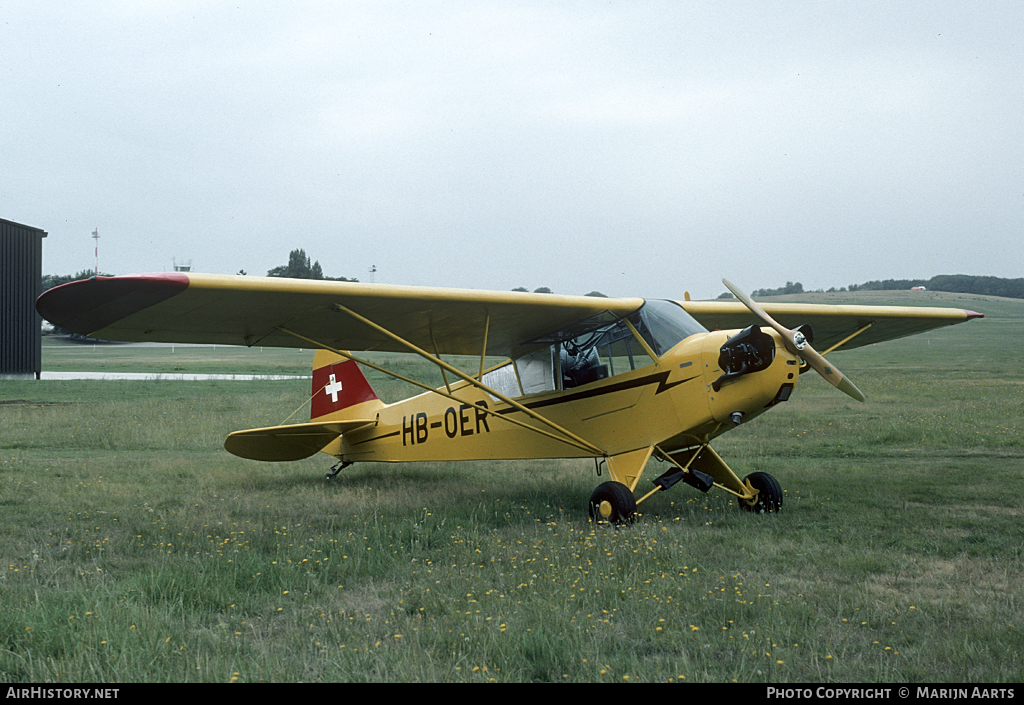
620,507
769,494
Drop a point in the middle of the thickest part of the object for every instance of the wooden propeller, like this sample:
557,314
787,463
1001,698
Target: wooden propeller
798,345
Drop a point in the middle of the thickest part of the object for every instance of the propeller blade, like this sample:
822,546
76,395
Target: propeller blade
799,346
836,378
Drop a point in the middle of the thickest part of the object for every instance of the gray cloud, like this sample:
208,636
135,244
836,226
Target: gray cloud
635,148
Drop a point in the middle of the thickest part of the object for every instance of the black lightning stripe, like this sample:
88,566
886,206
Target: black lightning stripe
661,378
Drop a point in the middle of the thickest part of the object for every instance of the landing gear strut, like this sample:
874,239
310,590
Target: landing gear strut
700,467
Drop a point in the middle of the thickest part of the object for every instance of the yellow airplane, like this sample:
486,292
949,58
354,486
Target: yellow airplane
620,380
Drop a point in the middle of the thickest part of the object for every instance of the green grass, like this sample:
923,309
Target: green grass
64,355
136,549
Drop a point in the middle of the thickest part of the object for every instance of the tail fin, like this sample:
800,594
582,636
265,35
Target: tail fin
340,390
342,401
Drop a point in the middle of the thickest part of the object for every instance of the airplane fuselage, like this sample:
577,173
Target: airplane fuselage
672,403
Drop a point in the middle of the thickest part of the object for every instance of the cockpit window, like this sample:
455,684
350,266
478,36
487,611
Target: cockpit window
603,346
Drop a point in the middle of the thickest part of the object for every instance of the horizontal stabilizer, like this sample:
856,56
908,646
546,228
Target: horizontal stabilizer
294,442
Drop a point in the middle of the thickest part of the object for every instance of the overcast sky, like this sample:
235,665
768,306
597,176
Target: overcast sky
636,148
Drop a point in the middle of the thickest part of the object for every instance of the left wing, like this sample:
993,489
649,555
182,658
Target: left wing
241,310
832,324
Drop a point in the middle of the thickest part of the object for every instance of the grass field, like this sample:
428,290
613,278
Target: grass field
135,549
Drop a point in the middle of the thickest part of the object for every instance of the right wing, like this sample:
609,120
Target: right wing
832,324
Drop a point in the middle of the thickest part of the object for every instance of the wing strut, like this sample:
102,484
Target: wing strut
483,352
848,338
567,437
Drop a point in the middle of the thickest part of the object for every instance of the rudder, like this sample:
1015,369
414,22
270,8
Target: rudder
340,390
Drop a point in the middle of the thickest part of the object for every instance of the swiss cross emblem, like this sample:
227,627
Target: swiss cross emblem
332,388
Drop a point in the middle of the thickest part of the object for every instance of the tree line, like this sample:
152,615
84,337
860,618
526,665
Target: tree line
955,283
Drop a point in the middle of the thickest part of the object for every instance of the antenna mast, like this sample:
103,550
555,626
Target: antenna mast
96,237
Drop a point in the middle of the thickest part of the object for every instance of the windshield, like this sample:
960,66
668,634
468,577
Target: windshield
665,323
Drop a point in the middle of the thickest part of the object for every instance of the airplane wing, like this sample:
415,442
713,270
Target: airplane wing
241,310
832,324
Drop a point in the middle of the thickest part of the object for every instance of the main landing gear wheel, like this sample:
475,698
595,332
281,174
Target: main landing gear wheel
612,502
769,494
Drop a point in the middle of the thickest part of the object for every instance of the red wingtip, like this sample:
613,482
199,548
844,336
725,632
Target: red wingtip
90,304
973,314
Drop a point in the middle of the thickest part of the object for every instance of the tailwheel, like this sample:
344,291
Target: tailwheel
612,502
769,493
337,467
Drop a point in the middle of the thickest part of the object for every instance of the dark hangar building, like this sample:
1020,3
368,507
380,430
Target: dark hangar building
21,269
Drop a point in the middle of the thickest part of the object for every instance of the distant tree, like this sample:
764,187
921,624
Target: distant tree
597,293
299,267
542,290
521,288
